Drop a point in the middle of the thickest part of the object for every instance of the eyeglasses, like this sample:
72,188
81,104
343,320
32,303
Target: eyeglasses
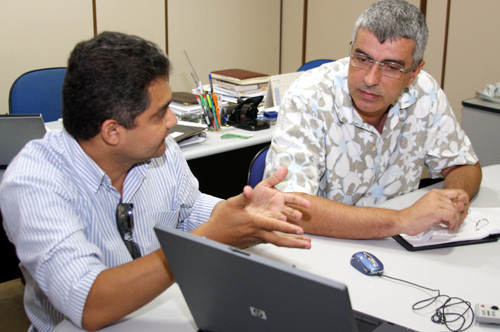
125,223
388,68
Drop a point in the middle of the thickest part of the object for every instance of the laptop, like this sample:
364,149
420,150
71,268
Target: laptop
15,131
228,289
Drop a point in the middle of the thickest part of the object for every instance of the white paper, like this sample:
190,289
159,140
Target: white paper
479,224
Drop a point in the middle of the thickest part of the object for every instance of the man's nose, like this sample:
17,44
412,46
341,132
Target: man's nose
373,75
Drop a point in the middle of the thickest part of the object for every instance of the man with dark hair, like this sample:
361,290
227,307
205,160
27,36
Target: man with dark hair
81,203
358,131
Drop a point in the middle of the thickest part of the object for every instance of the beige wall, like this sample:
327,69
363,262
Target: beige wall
329,28
38,34
217,34
473,49
220,34
436,21
133,17
291,40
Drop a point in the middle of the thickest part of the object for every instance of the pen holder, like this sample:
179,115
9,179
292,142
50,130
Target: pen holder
210,110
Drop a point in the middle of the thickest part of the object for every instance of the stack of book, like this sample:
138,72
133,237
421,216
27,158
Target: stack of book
185,106
239,83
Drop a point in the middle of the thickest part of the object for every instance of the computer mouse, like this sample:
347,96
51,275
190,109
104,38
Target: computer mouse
367,263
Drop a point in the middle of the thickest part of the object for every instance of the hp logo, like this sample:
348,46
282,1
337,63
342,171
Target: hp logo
259,313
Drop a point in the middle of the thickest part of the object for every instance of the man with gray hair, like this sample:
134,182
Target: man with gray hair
358,131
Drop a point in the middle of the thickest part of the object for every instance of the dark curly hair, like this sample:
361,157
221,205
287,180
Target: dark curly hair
107,78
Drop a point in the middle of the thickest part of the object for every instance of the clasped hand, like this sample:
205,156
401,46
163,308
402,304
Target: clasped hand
258,215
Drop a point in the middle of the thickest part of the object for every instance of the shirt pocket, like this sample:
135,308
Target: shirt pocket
167,218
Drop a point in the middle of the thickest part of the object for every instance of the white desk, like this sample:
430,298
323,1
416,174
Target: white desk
469,272
214,144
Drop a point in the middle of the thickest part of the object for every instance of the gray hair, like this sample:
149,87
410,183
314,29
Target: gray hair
393,19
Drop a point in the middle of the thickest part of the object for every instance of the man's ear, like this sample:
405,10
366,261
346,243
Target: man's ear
415,72
111,131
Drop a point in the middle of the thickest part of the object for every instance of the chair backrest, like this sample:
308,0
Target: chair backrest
257,165
38,91
313,64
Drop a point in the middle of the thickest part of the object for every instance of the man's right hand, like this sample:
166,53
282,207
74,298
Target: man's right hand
446,206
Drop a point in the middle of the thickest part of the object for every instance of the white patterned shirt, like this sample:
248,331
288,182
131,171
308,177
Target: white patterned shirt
331,152
59,210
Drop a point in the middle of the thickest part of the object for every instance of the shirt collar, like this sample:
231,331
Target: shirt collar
90,173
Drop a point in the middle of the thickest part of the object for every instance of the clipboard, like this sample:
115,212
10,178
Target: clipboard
408,246
481,225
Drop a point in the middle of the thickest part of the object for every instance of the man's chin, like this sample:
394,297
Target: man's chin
160,150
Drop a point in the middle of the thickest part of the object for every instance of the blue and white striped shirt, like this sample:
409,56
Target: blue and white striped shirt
59,211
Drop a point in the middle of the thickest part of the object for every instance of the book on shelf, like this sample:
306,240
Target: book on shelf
182,108
480,225
238,87
240,76
185,98
232,96
186,112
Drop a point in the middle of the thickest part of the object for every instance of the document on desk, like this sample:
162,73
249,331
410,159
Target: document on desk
277,86
184,130
480,225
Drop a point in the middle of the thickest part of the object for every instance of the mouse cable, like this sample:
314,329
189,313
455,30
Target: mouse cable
442,314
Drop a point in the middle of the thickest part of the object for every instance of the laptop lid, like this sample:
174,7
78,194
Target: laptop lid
15,131
227,289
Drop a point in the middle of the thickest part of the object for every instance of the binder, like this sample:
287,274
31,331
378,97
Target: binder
408,246
481,225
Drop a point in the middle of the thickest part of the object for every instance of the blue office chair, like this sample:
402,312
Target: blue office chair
313,64
38,91
257,165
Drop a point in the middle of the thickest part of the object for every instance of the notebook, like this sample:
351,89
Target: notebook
228,289
240,76
481,225
15,131
184,130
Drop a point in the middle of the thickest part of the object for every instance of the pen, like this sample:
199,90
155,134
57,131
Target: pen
207,119
211,83
217,111
205,103
212,105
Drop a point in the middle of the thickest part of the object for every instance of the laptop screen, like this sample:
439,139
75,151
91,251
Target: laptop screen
228,289
15,131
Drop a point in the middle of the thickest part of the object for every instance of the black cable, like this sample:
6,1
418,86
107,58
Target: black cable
442,314
409,282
